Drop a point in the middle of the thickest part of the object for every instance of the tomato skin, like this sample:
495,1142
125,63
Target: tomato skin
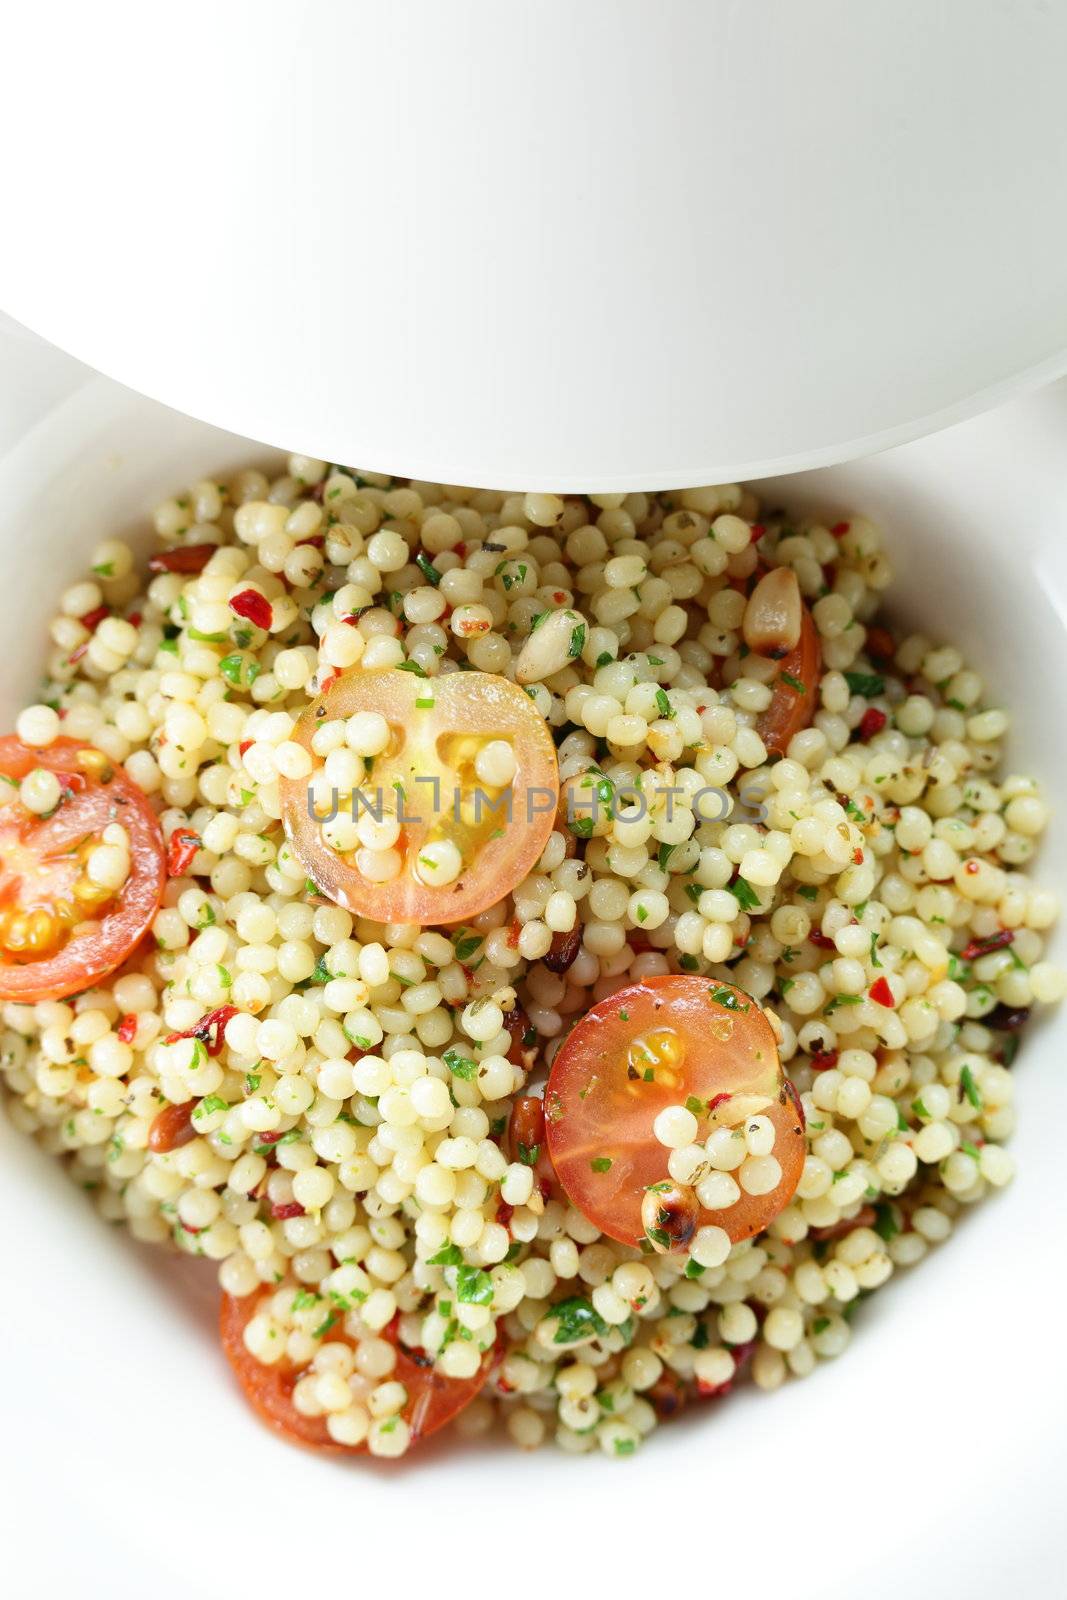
91,804
433,1400
792,709
599,1108
425,714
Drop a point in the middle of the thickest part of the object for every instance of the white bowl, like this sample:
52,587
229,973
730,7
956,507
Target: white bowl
603,245
931,1453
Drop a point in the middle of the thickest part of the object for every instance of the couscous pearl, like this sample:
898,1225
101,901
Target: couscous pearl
675,1126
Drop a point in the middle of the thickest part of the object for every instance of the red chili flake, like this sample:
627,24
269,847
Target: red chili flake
187,559
823,1060
717,1100
209,1030
857,857
127,1028
985,947
504,1213
330,679
881,993
254,607
873,722
292,1208
879,644
559,597
839,529
270,1138
93,619
970,868
758,530
181,849
514,929
244,747
460,549
135,619
822,940
316,539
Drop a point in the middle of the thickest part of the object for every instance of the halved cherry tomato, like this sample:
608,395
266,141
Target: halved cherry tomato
669,1040
432,1399
425,783
795,690
59,932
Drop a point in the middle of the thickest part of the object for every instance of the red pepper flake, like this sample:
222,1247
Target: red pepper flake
823,1060
270,1138
504,1213
254,607
717,1100
76,655
93,619
881,993
559,597
970,868
127,1028
135,619
209,1030
181,849
985,947
316,539
514,929
244,747
822,940
873,722
330,679
758,530
857,857
839,529
292,1208
187,559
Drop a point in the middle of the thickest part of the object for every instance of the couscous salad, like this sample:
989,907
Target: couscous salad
555,955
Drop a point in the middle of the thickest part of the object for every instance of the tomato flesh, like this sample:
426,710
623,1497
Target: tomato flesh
666,1041
425,780
795,690
59,933
432,1399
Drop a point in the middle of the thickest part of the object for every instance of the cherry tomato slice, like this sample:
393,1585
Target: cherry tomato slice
432,1400
795,690
58,932
668,1040
424,790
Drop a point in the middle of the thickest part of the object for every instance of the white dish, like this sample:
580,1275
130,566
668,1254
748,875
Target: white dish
567,246
931,1454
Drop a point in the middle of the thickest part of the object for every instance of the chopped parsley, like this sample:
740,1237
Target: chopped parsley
474,1287
868,684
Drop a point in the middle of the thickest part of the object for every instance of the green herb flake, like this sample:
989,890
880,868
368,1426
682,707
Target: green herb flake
867,684
577,1320
461,1066
969,1087
601,1164
474,1287
450,1256
743,892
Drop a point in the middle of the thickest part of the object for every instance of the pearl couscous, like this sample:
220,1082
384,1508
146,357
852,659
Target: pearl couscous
761,802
